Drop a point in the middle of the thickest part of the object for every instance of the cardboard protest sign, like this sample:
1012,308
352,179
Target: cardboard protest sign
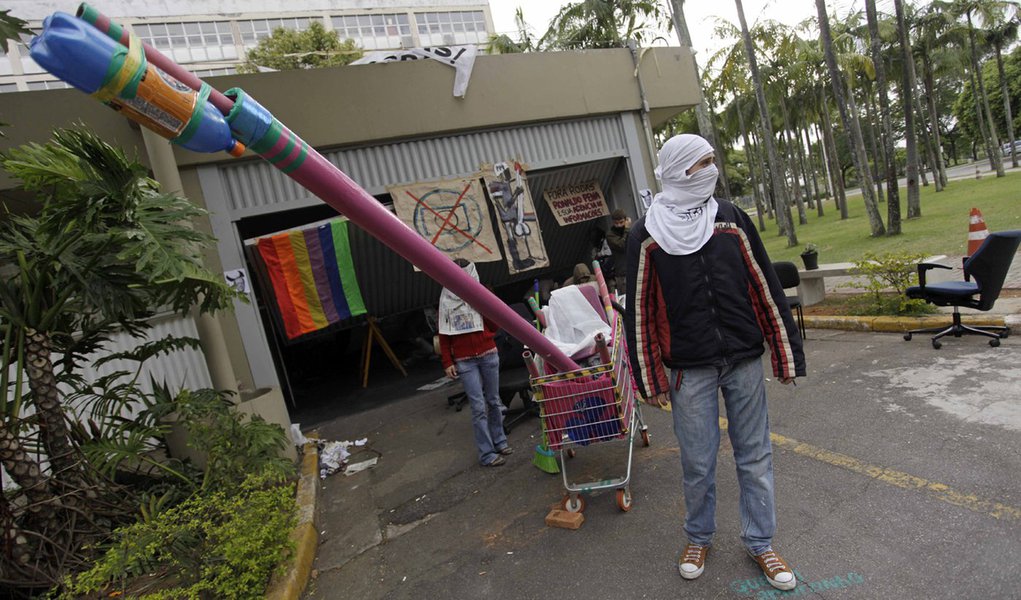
576,203
452,215
519,227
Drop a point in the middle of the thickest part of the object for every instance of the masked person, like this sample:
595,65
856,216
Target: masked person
703,301
469,353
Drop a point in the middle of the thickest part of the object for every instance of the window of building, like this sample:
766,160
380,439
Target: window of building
8,87
190,42
28,66
452,28
373,32
5,63
214,72
253,31
54,84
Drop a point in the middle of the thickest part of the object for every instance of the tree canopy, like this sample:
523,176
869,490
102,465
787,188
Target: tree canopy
313,48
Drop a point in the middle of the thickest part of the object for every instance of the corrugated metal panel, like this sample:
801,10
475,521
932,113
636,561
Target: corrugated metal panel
255,187
184,369
181,369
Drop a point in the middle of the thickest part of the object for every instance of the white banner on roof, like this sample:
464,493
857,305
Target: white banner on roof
462,58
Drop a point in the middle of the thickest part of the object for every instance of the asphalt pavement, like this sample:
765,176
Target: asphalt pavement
896,471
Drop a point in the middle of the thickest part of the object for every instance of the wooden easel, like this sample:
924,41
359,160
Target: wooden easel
375,334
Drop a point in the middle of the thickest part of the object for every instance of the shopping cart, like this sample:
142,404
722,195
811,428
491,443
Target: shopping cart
588,406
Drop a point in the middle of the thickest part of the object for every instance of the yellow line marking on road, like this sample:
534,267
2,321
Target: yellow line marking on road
905,481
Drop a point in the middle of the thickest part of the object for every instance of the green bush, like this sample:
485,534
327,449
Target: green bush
234,444
221,545
230,531
882,272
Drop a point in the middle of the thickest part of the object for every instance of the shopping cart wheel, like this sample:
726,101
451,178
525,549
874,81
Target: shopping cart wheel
645,437
574,505
624,499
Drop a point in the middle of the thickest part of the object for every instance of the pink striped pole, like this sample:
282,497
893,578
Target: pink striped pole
302,163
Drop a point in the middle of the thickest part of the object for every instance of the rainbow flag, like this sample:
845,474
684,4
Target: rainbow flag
313,277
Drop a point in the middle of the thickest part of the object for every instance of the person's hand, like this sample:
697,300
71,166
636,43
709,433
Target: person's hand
787,380
451,371
659,400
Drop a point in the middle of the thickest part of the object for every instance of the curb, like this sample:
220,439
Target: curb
290,584
892,324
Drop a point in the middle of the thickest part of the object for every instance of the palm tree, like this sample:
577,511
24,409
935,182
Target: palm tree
601,24
907,98
999,35
705,124
938,42
779,193
104,249
892,189
807,71
11,28
929,137
503,44
986,9
760,209
849,115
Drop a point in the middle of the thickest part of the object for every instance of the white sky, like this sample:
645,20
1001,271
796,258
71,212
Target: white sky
699,14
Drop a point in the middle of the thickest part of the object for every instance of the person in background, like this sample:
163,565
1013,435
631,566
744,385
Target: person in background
616,238
581,274
469,353
702,301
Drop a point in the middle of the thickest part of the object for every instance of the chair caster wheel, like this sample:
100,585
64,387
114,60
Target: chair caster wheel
936,344
994,342
907,337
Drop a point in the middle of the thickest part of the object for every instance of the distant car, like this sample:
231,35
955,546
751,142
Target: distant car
1006,148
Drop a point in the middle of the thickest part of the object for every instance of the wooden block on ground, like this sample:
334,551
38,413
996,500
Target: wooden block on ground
564,520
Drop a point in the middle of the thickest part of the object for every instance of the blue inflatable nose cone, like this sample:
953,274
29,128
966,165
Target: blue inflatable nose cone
74,51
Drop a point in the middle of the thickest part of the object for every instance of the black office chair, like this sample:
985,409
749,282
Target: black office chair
787,273
988,267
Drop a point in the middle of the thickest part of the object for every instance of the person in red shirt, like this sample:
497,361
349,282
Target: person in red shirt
469,353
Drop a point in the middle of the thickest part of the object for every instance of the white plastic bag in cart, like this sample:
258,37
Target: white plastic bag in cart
572,323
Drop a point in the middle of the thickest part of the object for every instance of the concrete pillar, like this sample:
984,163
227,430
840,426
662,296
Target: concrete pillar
221,371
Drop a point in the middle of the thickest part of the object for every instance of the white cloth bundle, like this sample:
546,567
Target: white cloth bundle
572,323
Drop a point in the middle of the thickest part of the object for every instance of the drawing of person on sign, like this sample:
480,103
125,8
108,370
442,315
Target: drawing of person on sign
507,193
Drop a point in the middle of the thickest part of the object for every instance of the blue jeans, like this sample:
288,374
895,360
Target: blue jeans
696,423
481,380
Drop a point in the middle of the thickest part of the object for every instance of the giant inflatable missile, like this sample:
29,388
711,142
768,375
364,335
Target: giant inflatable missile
100,58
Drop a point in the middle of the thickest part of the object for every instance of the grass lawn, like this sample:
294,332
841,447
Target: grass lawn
942,228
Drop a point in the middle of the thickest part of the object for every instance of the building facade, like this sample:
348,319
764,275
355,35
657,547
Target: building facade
570,117
212,38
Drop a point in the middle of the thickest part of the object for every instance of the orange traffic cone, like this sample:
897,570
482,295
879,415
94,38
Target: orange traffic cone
977,231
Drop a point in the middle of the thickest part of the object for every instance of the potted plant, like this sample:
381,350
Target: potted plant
811,256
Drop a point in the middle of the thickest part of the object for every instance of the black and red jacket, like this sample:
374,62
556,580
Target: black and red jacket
711,308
